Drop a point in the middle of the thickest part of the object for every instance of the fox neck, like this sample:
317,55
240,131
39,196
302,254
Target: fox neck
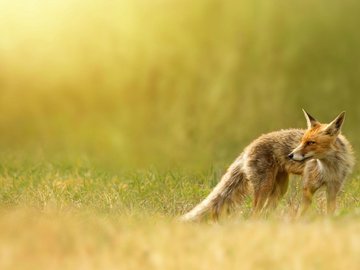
334,155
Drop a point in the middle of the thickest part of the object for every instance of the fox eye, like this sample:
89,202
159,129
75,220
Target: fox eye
310,142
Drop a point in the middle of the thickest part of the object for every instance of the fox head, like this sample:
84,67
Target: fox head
318,140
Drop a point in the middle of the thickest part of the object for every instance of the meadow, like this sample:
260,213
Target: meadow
116,117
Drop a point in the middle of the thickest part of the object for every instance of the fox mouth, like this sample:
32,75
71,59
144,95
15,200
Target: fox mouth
304,158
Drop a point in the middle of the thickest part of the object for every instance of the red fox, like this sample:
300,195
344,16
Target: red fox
320,154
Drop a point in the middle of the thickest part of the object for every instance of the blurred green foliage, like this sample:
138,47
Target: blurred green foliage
171,82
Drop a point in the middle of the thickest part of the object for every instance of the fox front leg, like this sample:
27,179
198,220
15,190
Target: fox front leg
332,189
309,190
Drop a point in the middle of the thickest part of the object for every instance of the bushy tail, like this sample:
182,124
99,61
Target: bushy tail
229,191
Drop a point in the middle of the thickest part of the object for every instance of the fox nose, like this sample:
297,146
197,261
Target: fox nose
291,155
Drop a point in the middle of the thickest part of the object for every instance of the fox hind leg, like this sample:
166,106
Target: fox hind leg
263,187
279,190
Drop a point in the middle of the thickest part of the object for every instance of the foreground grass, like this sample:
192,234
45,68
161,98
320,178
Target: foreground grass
58,217
29,240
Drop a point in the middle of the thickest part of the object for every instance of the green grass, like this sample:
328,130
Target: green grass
167,193
146,191
83,217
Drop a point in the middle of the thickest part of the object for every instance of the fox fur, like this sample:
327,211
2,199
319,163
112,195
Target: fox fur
321,154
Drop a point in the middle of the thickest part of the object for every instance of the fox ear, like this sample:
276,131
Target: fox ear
335,126
311,121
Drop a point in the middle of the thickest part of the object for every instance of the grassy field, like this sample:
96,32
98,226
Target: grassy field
118,116
81,218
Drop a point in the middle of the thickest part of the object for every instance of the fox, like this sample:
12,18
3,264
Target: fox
320,154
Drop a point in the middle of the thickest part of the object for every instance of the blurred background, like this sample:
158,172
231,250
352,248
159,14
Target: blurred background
170,82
